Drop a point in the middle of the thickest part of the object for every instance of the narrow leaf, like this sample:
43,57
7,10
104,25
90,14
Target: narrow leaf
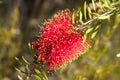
37,77
25,60
89,30
94,34
93,3
89,12
37,71
95,14
17,59
85,10
44,74
97,27
19,77
26,67
107,3
73,18
80,19
29,45
85,37
17,69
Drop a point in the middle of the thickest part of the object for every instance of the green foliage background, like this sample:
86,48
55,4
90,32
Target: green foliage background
19,25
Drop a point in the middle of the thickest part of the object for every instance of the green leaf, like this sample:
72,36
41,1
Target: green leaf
37,77
17,59
29,45
26,67
95,14
85,37
89,12
44,74
94,34
93,3
17,69
89,30
73,18
25,60
80,17
97,27
79,78
27,78
107,2
37,71
19,77
85,10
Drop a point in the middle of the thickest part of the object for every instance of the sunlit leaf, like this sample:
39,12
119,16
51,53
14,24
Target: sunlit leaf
25,60
44,74
89,12
19,77
26,67
94,34
29,45
17,69
37,77
17,59
93,3
107,3
97,27
79,78
73,18
37,71
95,14
85,37
85,10
89,30
27,78
118,55
80,17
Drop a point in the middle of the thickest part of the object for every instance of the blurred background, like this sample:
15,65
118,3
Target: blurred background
19,24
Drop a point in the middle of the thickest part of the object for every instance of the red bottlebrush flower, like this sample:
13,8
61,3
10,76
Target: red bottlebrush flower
59,44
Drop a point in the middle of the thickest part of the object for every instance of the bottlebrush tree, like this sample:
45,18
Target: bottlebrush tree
66,36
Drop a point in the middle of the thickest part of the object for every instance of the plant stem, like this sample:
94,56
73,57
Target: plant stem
84,25
32,71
